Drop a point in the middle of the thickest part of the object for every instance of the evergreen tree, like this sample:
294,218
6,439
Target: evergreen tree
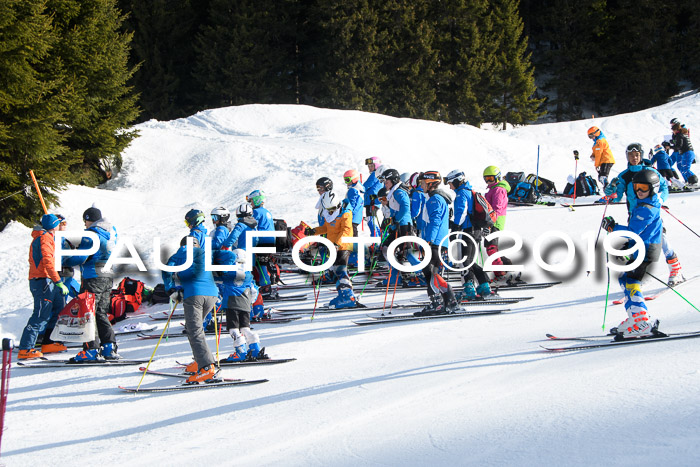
163,49
512,83
351,76
91,59
31,108
408,59
466,58
246,53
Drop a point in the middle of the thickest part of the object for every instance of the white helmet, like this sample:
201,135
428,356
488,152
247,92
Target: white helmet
244,210
405,177
329,200
220,214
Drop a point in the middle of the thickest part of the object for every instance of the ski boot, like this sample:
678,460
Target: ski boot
205,375
87,356
28,354
637,325
451,304
468,292
269,292
256,353
484,291
675,276
109,351
435,307
53,347
345,299
239,354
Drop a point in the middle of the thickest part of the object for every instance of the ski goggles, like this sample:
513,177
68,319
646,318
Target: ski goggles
348,180
369,161
489,178
643,187
215,217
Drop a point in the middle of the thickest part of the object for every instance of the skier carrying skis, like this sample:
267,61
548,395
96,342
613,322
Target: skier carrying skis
198,294
236,301
436,215
222,227
622,185
354,197
602,155
497,196
194,219
98,282
338,225
46,288
463,211
684,148
645,221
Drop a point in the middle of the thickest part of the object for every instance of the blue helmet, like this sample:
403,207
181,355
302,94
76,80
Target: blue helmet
194,217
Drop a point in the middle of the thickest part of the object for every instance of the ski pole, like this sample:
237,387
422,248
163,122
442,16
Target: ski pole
537,174
674,290
167,324
600,227
36,185
607,293
7,346
665,208
575,174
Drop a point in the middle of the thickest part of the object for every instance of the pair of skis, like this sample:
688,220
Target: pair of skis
595,342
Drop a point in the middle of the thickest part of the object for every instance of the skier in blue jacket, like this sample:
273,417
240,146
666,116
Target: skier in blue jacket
645,221
199,295
462,222
372,186
436,215
355,197
622,186
246,222
194,219
262,262
237,301
220,218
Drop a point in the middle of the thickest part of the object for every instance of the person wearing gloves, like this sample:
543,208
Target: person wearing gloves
198,294
45,285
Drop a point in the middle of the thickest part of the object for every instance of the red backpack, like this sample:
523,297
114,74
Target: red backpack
297,233
126,298
484,215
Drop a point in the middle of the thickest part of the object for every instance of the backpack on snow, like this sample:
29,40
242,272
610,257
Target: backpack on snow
297,233
483,215
513,178
126,298
160,295
524,192
282,243
544,186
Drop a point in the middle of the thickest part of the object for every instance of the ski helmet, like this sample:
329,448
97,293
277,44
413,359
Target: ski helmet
649,177
432,179
374,160
593,132
634,147
194,217
351,177
325,183
256,198
382,193
392,175
493,171
456,177
658,148
220,214
329,201
405,177
413,181
674,121
244,210
666,144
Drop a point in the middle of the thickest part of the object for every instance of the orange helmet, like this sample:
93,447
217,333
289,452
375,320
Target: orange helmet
432,178
593,131
351,177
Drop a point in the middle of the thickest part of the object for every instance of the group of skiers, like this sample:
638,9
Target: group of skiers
661,157
411,204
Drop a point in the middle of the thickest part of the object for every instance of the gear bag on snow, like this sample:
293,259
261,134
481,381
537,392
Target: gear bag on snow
282,243
585,186
484,215
513,178
76,322
542,185
524,192
297,233
160,295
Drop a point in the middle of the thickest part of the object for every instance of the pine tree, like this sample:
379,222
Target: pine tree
408,59
31,108
91,58
465,58
512,83
163,49
246,53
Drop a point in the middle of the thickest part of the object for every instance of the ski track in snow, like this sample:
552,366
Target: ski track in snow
466,391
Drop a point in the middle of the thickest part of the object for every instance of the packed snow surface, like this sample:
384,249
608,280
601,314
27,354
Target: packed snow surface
467,391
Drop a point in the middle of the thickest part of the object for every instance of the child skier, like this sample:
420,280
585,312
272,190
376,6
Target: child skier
645,221
222,227
497,196
354,197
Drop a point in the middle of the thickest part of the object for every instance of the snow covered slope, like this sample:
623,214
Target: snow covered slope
470,391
